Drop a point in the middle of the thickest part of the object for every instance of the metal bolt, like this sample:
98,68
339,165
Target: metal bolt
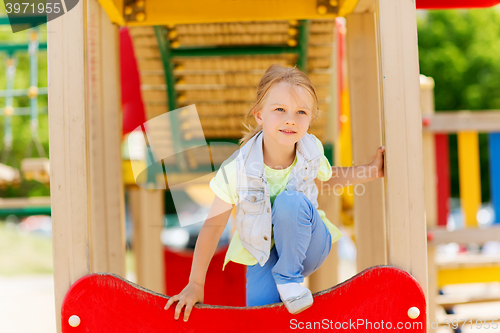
413,312
74,321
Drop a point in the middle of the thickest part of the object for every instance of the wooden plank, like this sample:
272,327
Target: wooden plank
467,260
112,138
369,223
399,84
195,11
68,147
24,202
85,139
327,275
364,6
464,236
96,132
430,189
494,150
469,176
147,209
452,122
114,11
461,275
354,305
448,301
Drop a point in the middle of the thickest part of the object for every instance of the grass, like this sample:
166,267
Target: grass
24,254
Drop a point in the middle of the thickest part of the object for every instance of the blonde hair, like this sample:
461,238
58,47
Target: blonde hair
276,74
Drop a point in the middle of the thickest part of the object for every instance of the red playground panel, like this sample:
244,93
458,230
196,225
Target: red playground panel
217,282
379,299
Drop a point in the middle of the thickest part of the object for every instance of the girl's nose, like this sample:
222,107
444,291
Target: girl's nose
290,120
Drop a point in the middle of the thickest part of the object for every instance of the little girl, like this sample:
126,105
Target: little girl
280,234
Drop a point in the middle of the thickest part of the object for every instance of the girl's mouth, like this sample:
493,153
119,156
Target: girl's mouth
285,132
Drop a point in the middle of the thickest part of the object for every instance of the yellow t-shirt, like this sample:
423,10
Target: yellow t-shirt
277,180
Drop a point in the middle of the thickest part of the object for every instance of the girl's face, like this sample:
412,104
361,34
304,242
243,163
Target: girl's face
286,108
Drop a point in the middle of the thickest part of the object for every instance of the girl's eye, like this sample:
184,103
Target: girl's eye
303,112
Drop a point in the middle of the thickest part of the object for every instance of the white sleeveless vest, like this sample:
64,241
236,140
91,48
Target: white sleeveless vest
253,214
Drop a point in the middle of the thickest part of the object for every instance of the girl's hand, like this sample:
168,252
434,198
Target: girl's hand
378,162
190,295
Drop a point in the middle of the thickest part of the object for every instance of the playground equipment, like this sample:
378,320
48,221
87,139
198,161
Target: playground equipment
32,168
86,186
469,268
94,298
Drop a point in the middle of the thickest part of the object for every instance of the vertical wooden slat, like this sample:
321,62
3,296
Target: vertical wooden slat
84,138
430,189
69,151
108,225
369,222
327,275
494,150
469,176
402,123
112,138
147,209
443,177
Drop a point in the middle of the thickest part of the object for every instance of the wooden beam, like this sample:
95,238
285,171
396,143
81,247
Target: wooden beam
430,190
453,122
114,10
24,202
196,11
327,275
147,209
364,6
84,147
464,236
107,206
69,151
369,223
400,96
469,176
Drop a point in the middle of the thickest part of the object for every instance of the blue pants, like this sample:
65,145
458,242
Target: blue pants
301,244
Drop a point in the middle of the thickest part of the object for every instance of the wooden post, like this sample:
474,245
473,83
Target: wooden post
362,54
430,189
107,205
75,175
327,275
147,209
402,123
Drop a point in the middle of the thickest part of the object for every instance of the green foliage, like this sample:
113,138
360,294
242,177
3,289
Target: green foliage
21,124
460,50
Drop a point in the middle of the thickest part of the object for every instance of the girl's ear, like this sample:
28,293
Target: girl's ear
258,116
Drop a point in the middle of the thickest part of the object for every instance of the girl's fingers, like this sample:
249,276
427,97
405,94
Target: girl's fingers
187,311
170,301
178,309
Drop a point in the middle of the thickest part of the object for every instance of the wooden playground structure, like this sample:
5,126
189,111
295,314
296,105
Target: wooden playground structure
212,54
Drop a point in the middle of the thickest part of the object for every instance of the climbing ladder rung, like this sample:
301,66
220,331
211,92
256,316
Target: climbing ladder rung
467,260
464,236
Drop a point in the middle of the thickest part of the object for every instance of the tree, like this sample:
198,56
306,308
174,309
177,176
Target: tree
460,49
